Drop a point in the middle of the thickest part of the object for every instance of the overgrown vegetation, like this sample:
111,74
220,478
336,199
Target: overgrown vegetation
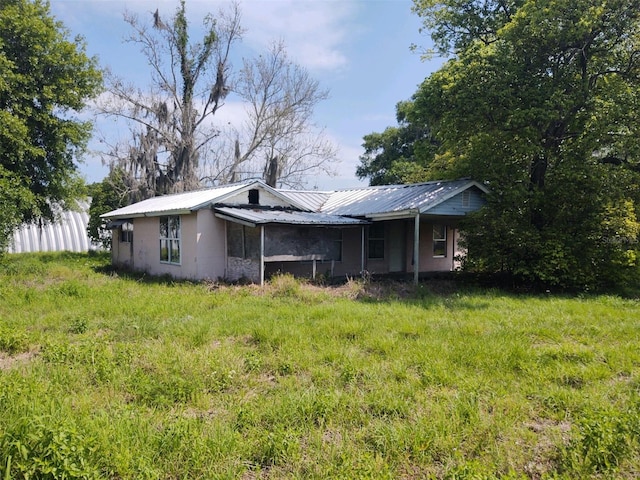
106,375
538,100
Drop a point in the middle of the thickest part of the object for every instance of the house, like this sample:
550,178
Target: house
250,230
67,233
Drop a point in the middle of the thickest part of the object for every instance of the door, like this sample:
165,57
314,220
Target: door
397,247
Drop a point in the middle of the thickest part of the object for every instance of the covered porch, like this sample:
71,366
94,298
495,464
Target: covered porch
261,243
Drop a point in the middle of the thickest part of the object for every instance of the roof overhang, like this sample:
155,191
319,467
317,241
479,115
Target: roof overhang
399,215
254,217
111,224
163,213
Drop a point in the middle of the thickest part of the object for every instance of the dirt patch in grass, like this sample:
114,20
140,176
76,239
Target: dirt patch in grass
8,362
550,434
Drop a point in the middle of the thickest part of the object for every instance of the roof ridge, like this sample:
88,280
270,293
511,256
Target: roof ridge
206,189
401,185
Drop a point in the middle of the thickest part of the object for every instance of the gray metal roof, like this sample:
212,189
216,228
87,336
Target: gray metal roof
308,199
263,216
189,201
390,199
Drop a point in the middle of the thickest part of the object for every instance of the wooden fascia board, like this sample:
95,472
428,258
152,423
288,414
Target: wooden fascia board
229,218
403,214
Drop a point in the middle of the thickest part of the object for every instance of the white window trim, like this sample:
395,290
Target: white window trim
126,232
435,239
170,239
379,238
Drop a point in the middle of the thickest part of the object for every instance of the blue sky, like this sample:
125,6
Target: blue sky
357,49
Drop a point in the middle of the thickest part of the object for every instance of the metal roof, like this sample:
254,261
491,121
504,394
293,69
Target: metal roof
308,199
67,233
180,203
390,199
262,216
387,201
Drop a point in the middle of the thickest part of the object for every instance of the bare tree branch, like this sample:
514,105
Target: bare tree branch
170,122
278,141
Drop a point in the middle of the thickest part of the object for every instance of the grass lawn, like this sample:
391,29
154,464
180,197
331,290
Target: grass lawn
106,375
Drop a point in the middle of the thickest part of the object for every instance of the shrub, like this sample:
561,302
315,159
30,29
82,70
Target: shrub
41,448
13,341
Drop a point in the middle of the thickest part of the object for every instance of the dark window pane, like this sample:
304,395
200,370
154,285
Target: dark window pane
439,240
164,250
164,227
376,240
175,251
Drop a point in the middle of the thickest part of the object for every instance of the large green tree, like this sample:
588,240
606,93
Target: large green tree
45,79
540,100
400,154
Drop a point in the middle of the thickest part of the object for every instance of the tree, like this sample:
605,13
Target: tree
402,154
540,100
110,194
171,121
278,140
45,79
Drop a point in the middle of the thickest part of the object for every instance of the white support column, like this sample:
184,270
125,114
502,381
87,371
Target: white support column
261,255
416,248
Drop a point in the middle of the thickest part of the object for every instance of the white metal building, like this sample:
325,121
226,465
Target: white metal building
68,233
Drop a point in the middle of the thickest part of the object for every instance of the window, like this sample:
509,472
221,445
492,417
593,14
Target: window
254,197
126,232
376,240
243,242
170,240
439,240
334,236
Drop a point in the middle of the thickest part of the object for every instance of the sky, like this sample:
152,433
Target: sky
359,50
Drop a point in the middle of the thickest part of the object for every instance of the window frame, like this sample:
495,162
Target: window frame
376,238
439,242
171,239
125,234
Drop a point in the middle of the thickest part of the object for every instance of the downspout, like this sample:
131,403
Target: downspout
416,248
261,255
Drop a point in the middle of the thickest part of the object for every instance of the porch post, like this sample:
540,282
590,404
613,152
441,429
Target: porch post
416,248
261,255
362,251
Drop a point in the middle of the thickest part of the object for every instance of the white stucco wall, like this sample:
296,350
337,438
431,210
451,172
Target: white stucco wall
211,246
121,252
146,247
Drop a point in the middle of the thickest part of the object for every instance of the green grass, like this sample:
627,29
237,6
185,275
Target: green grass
107,375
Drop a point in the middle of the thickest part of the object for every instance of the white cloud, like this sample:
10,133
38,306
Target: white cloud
314,32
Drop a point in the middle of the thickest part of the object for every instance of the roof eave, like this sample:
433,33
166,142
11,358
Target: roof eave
146,214
229,218
398,215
